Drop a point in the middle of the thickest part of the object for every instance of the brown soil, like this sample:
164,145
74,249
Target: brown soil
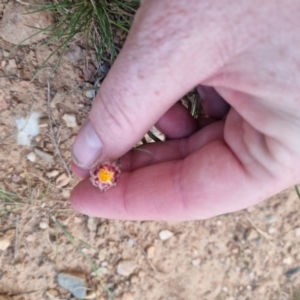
246,255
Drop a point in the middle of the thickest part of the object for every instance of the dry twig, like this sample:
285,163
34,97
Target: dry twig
261,232
16,238
52,135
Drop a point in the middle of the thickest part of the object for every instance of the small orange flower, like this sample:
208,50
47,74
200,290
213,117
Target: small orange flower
105,175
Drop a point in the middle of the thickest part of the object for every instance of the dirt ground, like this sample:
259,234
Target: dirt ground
252,254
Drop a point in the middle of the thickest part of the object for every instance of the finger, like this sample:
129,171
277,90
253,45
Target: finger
154,153
209,182
170,150
177,122
144,82
213,104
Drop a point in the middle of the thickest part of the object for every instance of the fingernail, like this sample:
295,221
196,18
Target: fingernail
87,148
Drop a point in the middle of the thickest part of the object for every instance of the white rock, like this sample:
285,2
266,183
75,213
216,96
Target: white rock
47,157
126,267
70,120
288,260
165,235
225,289
31,156
272,230
196,262
4,243
11,65
58,98
62,180
52,173
43,225
28,128
90,94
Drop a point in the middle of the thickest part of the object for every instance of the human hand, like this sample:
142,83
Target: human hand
247,51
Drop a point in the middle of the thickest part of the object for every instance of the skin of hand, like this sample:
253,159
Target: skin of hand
246,52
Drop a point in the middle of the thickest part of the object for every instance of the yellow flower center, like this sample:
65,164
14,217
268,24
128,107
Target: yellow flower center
106,176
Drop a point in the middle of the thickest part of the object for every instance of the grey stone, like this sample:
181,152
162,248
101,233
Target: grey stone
74,283
47,157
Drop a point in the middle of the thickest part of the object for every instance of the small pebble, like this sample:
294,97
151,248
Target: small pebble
271,219
287,260
62,180
297,232
4,243
272,230
75,53
74,283
104,264
31,156
127,296
5,53
47,157
11,65
235,250
165,235
196,262
77,220
3,64
130,243
90,94
66,193
134,279
150,251
126,267
141,273
252,234
6,239
93,295
225,289
43,225
70,120
92,224
53,294
52,173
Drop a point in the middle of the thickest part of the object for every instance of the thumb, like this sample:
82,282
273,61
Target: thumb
152,72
